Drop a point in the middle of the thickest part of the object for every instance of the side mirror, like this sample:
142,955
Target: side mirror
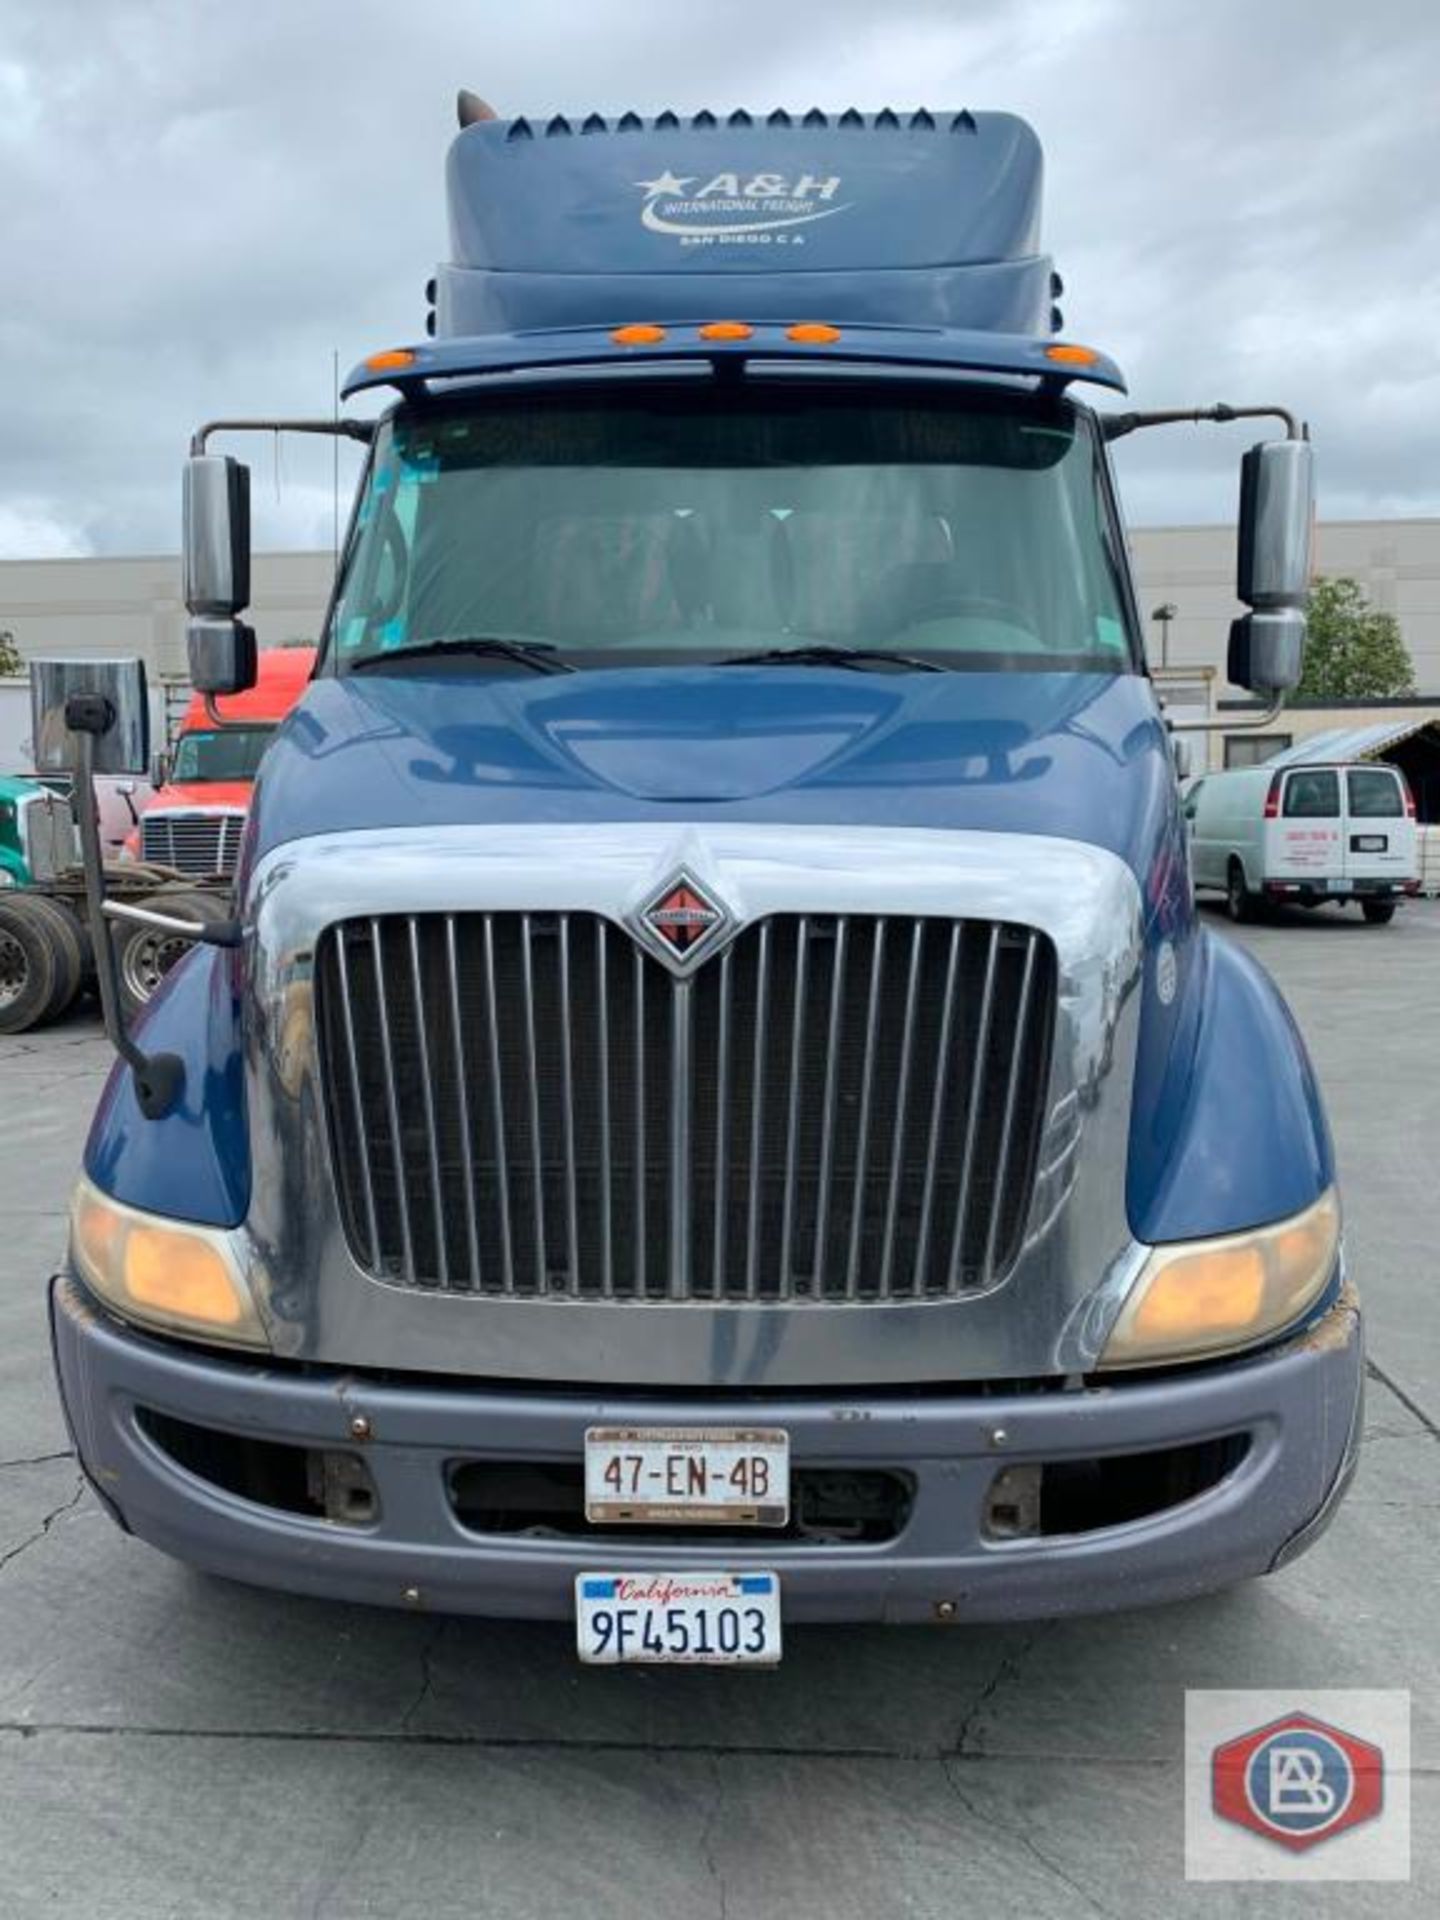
1277,509
1181,754
159,770
217,535
116,692
223,657
1267,651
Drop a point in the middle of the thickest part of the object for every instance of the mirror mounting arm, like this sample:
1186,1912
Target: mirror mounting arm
159,1077
1257,725
361,430
1114,426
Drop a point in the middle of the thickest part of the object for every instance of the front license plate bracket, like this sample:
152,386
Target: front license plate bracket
687,1476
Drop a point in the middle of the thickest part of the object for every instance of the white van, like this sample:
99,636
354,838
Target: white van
1304,835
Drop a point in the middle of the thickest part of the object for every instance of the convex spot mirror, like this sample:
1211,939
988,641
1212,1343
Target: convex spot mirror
217,535
1267,651
223,656
119,685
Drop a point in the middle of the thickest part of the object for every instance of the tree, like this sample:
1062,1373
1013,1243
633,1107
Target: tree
1353,652
9,653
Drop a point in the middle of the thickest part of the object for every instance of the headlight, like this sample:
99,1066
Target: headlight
1202,1297
164,1273
7,879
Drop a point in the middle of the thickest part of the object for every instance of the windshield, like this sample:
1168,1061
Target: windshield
699,523
232,753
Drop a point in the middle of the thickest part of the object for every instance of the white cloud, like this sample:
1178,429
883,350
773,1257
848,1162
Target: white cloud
203,201
37,530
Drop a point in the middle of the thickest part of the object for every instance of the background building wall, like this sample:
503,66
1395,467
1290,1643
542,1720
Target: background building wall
1397,562
133,606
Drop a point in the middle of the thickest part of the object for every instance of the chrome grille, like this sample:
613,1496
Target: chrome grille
200,843
832,1109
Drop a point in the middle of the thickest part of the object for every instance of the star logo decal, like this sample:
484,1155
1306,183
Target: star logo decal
669,186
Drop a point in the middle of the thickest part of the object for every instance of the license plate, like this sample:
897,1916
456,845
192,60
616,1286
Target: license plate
687,1476
1337,886
698,1619
1370,843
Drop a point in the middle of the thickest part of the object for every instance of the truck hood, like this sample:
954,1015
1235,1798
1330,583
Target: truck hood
204,795
1082,756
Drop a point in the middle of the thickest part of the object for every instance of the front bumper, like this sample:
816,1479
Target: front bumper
1322,892
1297,1406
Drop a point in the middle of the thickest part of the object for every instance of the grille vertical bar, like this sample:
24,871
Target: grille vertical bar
501,1164
757,1113
394,1139
427,1089
600,1016
462,1100
836,1108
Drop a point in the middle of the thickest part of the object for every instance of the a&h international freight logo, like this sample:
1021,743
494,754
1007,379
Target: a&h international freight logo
739,206
1299,1794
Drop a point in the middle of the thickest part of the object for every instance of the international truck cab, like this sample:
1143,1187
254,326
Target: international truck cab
715,1110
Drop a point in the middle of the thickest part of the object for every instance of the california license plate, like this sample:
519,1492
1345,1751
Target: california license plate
1370,843
699,1619
687,1476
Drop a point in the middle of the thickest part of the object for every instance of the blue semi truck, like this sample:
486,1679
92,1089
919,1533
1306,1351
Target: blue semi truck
714,1109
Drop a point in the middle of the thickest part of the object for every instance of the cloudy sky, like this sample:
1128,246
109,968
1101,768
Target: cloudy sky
202,201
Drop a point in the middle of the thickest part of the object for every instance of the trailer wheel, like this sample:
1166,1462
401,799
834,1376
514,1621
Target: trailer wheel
70,949
28,967
1378,913
145,955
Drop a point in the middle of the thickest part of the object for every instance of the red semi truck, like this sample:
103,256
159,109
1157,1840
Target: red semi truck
194,820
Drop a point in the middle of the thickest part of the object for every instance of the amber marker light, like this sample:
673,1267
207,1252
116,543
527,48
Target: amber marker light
813,333
727,330
1069,356
638,336
392,360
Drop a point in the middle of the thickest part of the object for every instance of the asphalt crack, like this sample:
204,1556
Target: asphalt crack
1006,1670
37,1459
707,1840
520,1743
1377,1372
428,1649
55,1513
1022,1838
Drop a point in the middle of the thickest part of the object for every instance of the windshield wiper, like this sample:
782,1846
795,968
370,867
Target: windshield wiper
539,655
816,655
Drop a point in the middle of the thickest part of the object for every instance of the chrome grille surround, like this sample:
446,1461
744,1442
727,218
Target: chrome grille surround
832,1108
321,1304
199,840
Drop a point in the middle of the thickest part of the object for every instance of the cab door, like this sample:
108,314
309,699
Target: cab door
1379,836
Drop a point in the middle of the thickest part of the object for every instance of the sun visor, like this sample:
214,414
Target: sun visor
914,220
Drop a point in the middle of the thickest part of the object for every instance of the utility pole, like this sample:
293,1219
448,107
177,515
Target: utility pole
1165,613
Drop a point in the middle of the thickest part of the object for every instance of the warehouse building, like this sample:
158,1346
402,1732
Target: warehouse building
132,606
